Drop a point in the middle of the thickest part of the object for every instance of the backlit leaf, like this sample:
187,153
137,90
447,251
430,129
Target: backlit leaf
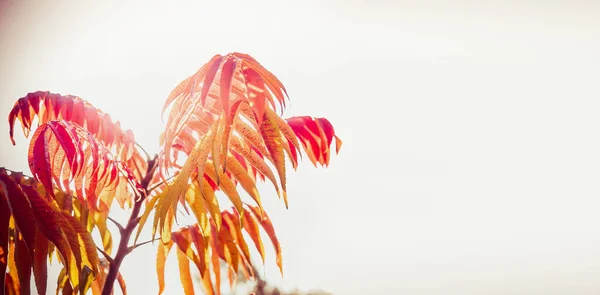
184,273
48,106
161,258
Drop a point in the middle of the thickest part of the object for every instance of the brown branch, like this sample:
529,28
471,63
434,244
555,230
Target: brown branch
124,249
106,256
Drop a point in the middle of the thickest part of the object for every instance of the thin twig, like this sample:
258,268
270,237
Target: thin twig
119,226
108,258
160,183
144,151
123,249
131,248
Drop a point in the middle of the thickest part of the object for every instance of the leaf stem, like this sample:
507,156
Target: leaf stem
124,249
143,150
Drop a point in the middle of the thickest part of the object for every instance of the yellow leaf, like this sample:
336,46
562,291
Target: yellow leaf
105,235
197,159
243,177
161,258
149,207
227,186
274,143
197,203
212,203
255,160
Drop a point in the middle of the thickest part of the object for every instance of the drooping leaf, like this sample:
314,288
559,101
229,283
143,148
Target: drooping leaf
10,285
316,135
20,209
250,224
61,152
23,264
183,240
234,225
13,272
223,133
150,205
226,185
212,203
184,273
161,258
168,201
274,143
100,224
40,263
49,221
266,224
86,254
48,106
198,205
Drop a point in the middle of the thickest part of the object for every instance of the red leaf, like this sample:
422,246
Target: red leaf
21,210
40,266
51,106
23,264
316,135
58,147
48,221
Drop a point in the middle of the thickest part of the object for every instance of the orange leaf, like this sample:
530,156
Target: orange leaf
256,93
266,224
255,160
234,224
227,72
212,203
184,273
161,258
250,224
198,206
196,160
12,268
274,143
243,177
10,285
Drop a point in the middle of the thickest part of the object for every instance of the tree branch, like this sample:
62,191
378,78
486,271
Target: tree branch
124,249
119,226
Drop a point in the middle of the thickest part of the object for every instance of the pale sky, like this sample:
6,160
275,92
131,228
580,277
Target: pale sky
471,157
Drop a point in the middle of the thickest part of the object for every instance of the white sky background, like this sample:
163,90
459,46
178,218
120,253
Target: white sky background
471,157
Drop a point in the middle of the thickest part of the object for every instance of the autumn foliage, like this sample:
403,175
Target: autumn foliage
224,133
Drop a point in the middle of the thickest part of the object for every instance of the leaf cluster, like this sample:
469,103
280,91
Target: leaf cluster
224,133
